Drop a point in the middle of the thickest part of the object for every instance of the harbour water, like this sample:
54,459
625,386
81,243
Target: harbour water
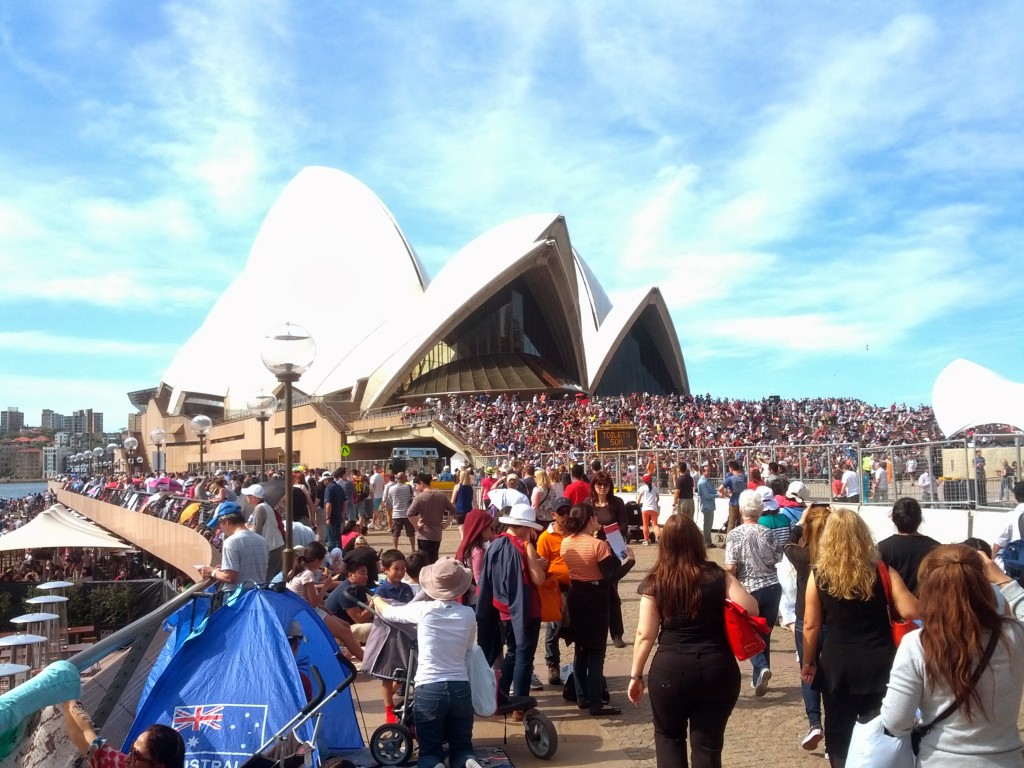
21,490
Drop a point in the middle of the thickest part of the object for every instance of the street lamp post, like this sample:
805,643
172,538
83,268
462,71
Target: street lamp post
159,438
201,426
288,351
97,454
130,445
265,406
111,450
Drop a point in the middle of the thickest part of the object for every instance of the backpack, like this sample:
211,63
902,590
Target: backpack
1013,556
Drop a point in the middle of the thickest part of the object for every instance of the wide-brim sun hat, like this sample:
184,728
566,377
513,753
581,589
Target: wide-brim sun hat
767,498
522,515
447,579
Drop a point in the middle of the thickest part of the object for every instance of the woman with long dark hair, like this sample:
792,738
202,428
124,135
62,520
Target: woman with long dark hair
592,568
935,669
477,532
845,608
694,679
610,510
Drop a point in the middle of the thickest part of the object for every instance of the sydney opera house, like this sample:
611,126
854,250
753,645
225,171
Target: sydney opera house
515,310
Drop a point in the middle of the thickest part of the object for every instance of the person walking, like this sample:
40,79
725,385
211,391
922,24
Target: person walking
846,616
751,555
965,660
647,498
802,552
694,679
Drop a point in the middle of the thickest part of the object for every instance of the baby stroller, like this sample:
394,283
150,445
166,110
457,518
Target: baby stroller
283,740
393,743
635,526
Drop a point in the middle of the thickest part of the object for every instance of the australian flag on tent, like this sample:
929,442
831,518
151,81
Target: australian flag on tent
229,687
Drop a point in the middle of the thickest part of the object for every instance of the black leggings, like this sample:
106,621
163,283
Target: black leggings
695,689
841,712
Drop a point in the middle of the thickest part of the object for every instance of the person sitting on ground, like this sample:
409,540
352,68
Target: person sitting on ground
305,580
159,746
344,602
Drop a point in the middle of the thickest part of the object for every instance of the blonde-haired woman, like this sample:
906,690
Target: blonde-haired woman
543,497
845,608
462,497
555,481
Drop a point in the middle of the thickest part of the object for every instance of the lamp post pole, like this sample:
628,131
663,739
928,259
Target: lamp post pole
111,450
201,426
288,352
130,444
97,454
159,437
265,406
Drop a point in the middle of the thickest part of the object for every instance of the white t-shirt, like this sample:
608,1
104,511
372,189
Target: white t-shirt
298,583
648,498
851,483
377,485
1010,533
445,631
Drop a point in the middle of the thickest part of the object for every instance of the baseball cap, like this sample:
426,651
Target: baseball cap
254,490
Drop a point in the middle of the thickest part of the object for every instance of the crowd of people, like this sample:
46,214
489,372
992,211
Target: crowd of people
543,575
507,425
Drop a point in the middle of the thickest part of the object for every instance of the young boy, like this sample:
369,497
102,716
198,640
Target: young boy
394,590
413,565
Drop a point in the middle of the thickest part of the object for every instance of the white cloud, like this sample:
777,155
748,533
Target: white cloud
38,342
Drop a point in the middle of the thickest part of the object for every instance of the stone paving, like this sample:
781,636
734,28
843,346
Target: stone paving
762,731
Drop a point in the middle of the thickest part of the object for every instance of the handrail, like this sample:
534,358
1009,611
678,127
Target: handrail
115,642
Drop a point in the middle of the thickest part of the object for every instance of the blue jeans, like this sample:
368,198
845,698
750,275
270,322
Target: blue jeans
517,668
444,712
768,607
812,699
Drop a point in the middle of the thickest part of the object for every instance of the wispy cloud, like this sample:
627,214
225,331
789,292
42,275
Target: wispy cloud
76,347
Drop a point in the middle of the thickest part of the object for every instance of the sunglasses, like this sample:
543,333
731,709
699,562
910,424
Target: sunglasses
138,757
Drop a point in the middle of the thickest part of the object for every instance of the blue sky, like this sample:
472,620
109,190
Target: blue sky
830,195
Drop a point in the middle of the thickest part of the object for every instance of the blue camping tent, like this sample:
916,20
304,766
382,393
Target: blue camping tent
233,682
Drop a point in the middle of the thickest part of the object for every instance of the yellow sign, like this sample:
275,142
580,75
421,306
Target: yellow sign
345,450
615,437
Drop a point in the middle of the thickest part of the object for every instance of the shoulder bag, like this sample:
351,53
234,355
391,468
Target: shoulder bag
900,627
745,632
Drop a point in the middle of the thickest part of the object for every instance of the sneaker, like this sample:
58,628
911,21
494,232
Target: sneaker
389,716
761,688
536,684
647,543
554,676
471,763
812,739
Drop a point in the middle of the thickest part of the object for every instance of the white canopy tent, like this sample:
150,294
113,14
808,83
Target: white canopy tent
57,528
967,395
